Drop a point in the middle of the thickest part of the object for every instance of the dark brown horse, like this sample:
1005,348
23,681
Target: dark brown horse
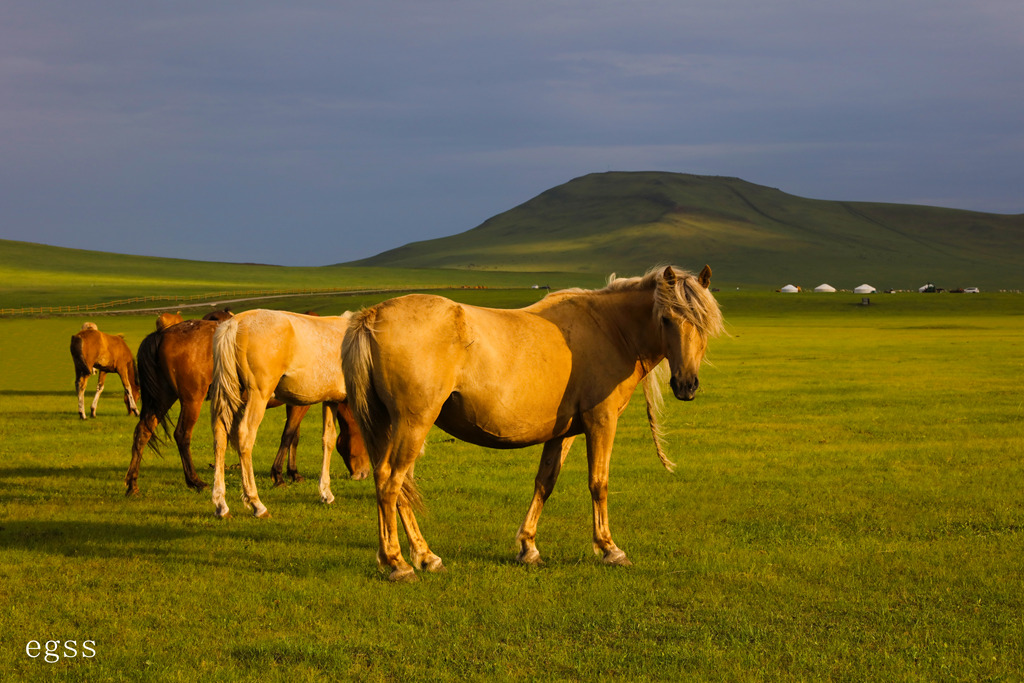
98,352
176,365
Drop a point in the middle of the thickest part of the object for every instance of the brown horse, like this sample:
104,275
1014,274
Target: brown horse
176,365
564,366
99,352
264,354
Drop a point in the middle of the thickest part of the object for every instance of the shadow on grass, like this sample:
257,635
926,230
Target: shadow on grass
249,548
80,472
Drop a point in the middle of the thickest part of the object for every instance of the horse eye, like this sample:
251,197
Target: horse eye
665,320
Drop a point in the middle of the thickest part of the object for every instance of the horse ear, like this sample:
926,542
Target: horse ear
669,276
705,276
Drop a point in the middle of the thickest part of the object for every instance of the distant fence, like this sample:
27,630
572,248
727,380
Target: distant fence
209,296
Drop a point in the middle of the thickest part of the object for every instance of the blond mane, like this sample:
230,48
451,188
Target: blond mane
687,299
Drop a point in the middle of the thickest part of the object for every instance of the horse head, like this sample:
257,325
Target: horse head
688,314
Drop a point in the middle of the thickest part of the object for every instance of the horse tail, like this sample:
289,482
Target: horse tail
370,412
152,385
655,402
226,390
78,356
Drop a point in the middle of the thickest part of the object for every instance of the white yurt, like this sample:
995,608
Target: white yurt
789,289
864,289
824,287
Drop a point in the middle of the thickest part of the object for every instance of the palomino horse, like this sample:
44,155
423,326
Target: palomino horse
176,365
264,354
564,366
99,352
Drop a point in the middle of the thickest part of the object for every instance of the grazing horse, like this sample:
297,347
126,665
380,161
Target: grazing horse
99,352
176,365
562,367
293,358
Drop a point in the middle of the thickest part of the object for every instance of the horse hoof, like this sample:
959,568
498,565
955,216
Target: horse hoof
530,557
223,515
328,499
265,514
131,492
617,558
403,575
296,477
434,565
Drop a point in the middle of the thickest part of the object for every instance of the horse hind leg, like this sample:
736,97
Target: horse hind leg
99,390
247,430
80,382
143,433
390,476
220,446
187,420
551,459
419,553
330,434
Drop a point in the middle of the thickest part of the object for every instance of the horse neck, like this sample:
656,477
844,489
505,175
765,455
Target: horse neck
629,317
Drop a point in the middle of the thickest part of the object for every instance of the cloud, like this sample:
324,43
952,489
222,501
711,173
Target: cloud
375,124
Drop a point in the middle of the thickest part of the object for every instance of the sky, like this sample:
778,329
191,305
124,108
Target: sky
311,133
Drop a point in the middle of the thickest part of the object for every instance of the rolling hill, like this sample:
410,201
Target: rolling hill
750,234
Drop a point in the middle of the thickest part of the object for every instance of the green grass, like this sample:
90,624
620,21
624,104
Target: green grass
846,507
33,275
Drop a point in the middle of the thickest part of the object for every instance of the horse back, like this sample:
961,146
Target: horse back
185,357
294,356
491,376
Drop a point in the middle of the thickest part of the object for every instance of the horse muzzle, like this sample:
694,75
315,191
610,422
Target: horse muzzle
684,390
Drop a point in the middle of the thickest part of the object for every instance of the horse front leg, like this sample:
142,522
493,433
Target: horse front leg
329,436
350,444
129,393
551,458
99,390
599,454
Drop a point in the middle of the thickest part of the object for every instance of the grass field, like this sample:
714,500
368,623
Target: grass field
34,275
847,506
